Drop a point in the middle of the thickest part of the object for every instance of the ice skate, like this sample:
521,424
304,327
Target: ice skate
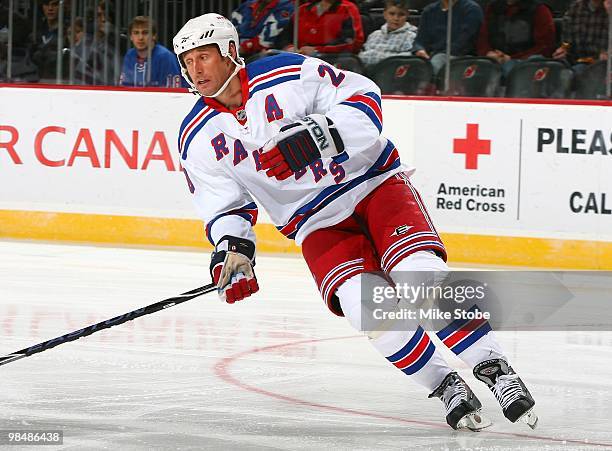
462,405
514,398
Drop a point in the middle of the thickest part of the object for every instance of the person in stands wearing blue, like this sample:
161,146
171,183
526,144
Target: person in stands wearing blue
260,24
163,67
430,43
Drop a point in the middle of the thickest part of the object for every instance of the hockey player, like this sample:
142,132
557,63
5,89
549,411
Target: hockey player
304,139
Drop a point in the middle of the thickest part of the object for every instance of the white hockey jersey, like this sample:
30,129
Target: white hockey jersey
220,149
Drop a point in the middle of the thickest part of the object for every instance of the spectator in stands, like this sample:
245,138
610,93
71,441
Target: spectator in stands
22,68
327,26
44,47
102,58
163,69
515,30
21,27
585,34
48,28
260,24
80,47
430,42
395,37
76,35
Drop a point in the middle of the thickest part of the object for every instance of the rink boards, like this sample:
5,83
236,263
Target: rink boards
506,182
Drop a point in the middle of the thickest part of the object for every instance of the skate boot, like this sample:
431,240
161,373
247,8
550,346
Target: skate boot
508,388
462,405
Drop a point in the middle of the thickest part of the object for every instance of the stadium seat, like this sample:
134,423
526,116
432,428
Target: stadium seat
472,77
539,79
414,18
408,75
368,24
345,61
377,18
23,69
369,4
591,83
419,5
557,7
558,21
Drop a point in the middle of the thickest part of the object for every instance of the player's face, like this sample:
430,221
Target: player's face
141,38
207,69
395,17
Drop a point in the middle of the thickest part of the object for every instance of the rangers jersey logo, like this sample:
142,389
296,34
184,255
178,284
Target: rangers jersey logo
401,230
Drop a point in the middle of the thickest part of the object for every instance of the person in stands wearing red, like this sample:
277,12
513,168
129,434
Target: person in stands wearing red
327,26
515,30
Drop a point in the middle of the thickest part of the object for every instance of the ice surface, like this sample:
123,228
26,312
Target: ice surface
277,371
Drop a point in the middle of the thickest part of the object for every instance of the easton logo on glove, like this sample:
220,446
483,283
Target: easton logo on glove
299,144
317,132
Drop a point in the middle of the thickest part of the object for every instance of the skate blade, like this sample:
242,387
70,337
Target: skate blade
529,418
474,421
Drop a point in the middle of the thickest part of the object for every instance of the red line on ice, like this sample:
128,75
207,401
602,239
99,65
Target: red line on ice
222,371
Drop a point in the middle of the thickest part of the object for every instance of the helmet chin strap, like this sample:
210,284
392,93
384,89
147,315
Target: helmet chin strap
239,65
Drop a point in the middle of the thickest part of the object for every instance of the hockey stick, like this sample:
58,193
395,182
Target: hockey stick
161,305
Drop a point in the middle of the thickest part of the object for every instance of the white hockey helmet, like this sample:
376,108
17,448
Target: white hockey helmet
208,29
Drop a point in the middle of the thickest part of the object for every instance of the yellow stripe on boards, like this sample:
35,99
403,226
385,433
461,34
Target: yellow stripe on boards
550,253
144,231
126,230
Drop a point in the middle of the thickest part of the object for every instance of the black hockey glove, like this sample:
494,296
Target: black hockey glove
299,144
231,268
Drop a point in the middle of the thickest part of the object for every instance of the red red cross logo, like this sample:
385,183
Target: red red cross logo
471,146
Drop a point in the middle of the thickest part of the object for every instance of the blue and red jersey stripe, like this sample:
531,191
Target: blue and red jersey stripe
271,63
192,124
267,72
369,104
248,213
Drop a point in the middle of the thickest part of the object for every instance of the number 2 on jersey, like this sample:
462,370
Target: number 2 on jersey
336,79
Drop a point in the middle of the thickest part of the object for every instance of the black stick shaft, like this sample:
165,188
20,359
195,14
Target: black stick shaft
161,305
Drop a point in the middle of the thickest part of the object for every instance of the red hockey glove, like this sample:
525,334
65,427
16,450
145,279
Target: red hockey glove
231,268
299,144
